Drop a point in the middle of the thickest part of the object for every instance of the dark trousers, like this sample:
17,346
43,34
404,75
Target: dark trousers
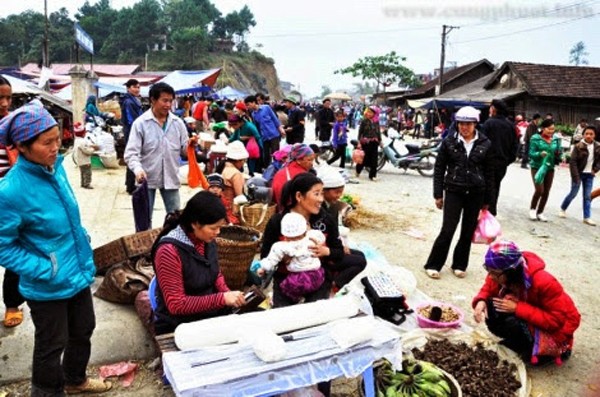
86,175
525,155
455,205
370,160
347,268
340,153
61,326
10,290
514,332
499,169
542,191
270,147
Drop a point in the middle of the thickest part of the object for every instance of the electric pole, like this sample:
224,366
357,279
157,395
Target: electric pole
445,30
45,56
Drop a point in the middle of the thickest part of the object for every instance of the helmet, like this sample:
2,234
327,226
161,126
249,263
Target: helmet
258,191
467,114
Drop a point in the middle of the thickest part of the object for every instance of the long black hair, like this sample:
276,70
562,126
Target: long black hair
204,208
301,183
4,81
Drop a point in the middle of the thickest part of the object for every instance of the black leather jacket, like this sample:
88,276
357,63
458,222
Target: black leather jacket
456,172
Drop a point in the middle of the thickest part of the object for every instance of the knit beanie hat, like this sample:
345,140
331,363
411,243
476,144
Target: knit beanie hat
293,225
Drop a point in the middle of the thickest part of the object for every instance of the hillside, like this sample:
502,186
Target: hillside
249,71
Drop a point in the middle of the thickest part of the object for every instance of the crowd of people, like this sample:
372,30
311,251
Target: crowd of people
303,245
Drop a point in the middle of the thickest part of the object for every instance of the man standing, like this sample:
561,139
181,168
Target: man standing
156,141
531,130
325,120
268,125
295,127
504,145
131,109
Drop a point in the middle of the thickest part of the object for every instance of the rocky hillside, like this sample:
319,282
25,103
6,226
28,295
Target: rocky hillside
250,73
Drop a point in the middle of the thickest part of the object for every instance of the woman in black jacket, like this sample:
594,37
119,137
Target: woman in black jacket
462,186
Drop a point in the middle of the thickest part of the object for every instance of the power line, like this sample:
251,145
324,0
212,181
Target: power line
503,35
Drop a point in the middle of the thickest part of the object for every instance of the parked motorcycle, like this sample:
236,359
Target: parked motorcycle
406,155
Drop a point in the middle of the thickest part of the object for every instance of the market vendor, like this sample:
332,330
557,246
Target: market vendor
190,285
525,305
303,195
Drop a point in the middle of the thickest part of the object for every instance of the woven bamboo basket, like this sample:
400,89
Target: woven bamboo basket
256,215
236,246
109,254
140,243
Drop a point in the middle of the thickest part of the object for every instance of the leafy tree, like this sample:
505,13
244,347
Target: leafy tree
21,39
325,90
97,20
60,36
363,89
578,54
385,70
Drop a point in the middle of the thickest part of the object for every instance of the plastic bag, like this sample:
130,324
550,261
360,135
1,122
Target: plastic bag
195,175
541,173
488,228
358,156
253,149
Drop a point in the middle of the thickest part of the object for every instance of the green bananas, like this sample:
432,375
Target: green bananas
417,379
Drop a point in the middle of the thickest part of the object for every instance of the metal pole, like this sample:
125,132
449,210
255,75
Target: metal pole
443,55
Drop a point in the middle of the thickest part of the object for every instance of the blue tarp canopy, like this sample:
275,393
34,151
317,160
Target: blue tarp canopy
231,93
453,103
191,81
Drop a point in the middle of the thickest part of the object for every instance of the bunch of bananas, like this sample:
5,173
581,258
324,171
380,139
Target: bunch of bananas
417,379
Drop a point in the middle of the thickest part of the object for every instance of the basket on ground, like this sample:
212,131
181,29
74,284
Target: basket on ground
236,246
256,215
425,322
140,243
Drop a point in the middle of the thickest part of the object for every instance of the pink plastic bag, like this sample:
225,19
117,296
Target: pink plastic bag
488,228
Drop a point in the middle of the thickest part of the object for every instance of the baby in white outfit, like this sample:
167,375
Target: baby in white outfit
305,272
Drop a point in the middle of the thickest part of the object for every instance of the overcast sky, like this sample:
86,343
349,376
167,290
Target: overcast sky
309,39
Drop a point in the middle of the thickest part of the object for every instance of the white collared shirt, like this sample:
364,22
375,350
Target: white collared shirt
468,145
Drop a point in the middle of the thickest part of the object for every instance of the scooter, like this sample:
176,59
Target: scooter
407,155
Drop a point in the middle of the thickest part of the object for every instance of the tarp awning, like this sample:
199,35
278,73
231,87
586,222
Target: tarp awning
231,93
191,81
22,87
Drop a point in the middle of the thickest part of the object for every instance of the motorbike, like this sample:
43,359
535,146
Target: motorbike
406,155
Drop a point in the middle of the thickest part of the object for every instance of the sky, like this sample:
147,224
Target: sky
310,39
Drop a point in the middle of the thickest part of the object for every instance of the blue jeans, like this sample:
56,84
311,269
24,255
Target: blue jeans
587,180
170,198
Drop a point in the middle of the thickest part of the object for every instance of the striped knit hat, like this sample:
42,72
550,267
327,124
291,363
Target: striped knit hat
25,123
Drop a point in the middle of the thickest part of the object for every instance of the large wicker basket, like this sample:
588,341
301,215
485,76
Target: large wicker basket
236,246
256,215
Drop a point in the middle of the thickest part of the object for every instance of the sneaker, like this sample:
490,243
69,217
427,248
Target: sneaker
374,179
459,273
562,214
542,218
589,222
533,215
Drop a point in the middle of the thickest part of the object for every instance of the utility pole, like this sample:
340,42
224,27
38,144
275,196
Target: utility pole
45,56
445,30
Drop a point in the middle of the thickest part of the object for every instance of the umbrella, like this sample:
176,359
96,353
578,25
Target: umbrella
342,96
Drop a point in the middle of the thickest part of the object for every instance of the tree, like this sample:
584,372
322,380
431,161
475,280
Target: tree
60,35
98,21
325,90
578,54
384,69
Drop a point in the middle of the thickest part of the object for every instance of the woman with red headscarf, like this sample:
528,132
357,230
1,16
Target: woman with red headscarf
300,159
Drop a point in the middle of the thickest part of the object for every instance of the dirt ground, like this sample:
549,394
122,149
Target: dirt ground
405,237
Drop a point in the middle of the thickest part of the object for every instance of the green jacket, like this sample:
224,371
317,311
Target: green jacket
246,129
537,145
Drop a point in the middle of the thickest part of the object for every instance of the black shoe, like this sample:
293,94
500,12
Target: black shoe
87,187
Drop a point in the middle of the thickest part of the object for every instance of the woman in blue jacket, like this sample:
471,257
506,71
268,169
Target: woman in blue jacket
42,240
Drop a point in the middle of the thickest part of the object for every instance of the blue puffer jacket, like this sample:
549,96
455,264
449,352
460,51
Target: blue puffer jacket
41,237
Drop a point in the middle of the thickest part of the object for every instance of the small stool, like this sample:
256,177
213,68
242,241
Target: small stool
214,159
